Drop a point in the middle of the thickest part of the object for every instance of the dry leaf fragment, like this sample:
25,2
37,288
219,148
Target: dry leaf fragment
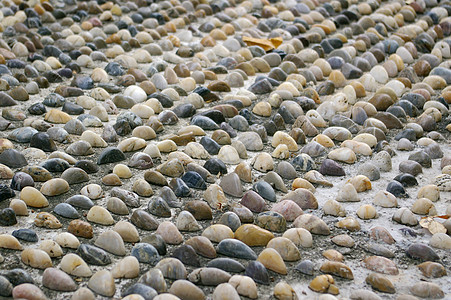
266,44
432,225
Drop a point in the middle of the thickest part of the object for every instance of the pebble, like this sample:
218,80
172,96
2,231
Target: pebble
207,131
225,291
343,240
153,278
440,240
28,291
83,293
186,290
169,233
381,265
102,283
33,197
432,269
226,264
202,246
99,215
47,220
272,260
244,285
324,284
172,268
380,283
54,187
312,223
36,258
235,248
209,276
112,242
57,280
427,290
257,272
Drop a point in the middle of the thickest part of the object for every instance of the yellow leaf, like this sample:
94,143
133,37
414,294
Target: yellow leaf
277,41
432,226
425,221
266,44
436,227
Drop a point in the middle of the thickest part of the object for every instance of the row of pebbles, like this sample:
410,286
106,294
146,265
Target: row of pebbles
147,152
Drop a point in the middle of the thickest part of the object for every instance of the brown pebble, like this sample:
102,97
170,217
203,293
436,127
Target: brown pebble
80,228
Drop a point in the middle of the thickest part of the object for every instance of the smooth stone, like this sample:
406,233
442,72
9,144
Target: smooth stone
199,209
421,252
54,187
6,192
381,265
28,291
235,248
288,209
130,198
312,223
251,140
305,267
407,180
231,184
57,280
112,242
102,283
410,167
187,255
170,233
75,175
66,210
19,207
422,158
253,201
225,291
338,269
380,283
8,217
154,278
80,201
6,287
427,290
13,158
231,220
47,220
80,228
36,258
432,269
272,221
145,253
257,272
226,264
360,294
303,198
369,170
441,241
18,276
23,134
286,170
110,155
25,234
186,290
75,265
67,240
330,167
397,189
93,255
209,276
265,190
